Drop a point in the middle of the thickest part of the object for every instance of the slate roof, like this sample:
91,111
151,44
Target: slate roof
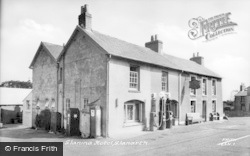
131,51
243,93
54,50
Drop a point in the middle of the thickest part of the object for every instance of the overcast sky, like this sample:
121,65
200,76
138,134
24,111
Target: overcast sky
25,23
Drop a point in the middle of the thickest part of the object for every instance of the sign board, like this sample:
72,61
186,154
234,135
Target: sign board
194,84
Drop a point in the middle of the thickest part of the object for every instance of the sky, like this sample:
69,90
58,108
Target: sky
25,23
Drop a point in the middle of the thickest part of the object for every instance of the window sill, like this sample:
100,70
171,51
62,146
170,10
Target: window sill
134,91
192,95
130,124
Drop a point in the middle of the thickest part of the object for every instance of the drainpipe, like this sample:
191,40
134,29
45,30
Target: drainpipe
107,98
63,78
57,86
179,98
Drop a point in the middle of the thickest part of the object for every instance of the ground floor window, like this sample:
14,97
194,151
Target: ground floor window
192,106
213,106
133,111
243,107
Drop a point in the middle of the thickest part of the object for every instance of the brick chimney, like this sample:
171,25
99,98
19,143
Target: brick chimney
242,87
155,44
198,59
84,19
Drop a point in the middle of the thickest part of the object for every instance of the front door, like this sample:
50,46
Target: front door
204,110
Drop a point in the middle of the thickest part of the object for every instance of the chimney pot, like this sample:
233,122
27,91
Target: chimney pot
198,59
154,44
84,19
86,7
152,38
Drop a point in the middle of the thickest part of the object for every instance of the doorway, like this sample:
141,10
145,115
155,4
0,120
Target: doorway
204,110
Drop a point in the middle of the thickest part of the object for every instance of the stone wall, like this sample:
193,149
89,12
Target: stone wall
44,81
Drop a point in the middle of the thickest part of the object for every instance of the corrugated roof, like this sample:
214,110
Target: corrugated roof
131,51
13,95
54,49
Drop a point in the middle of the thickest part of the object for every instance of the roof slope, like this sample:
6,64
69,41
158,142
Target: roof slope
241,93
53,50
127,50
13,95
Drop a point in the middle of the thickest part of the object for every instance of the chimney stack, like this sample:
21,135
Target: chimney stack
198,59
155,44
242,87
84,19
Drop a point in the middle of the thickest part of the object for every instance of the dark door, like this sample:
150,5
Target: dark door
204,110
74,121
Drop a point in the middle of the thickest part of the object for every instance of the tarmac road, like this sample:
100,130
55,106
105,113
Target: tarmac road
230,137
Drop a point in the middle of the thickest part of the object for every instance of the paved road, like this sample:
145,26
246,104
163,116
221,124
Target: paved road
230,137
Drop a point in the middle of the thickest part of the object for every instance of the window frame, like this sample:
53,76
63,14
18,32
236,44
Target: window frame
213,87
206,81
134,80
165,84
137,117
193,100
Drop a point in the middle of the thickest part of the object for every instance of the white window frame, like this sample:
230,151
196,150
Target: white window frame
205,86
213,91
134,112
164,81
134,78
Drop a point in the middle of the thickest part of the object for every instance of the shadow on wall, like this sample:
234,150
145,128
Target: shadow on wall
11,116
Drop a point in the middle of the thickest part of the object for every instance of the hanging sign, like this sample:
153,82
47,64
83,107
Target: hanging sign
194,84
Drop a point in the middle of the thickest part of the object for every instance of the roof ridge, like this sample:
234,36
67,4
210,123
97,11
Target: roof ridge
51,43
132,51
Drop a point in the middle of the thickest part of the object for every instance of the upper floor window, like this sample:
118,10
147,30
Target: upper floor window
213,87
164,81
192,91
204,87
134,78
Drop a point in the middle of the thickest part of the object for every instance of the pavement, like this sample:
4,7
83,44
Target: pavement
225,137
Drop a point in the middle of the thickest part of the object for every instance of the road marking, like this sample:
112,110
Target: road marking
223,143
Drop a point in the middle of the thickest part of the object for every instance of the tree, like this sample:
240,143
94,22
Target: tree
16,84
